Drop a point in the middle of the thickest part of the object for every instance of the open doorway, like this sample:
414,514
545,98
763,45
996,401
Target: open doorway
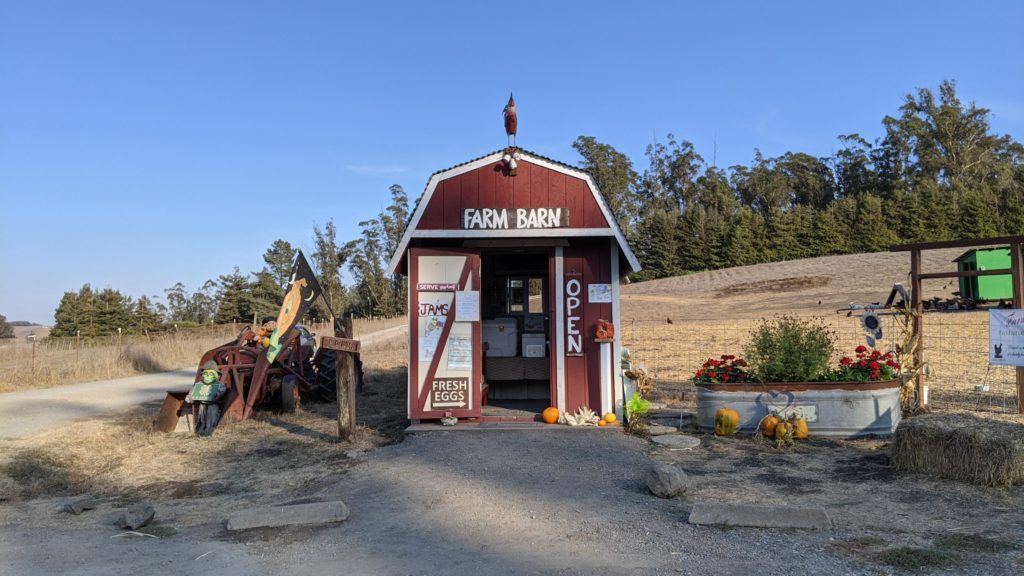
516,332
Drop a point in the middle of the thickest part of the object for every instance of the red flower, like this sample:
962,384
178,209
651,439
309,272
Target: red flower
845,361
875,354
861,349
875,375
875,366
700,373
862,363
741,362
725,377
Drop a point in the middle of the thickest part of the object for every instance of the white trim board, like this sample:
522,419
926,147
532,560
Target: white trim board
560,328
412,230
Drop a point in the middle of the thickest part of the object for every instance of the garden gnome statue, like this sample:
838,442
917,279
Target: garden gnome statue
205,394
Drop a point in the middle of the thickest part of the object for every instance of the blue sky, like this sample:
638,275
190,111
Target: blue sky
147,143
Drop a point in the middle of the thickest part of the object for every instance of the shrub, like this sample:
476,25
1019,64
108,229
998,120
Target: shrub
790,349
637,414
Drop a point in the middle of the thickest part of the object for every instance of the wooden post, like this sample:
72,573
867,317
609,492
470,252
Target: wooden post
917,304
345,368
1017,269
33,355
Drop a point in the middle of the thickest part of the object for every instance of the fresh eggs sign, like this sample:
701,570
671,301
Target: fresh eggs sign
514,218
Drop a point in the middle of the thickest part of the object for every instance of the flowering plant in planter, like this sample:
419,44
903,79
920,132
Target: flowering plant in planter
867,366
726,369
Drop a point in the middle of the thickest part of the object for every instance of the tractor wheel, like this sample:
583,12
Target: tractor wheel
289,394
327,375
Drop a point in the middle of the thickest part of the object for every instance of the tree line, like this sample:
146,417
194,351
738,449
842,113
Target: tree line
248,297
938,173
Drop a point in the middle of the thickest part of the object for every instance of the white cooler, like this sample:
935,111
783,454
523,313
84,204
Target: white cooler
500,336
534,346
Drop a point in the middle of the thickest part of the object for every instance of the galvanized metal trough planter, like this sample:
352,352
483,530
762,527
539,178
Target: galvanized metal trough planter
832,409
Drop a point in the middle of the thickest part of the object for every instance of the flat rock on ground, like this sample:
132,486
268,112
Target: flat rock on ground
659,430
726,514
80,505
274,516
677,441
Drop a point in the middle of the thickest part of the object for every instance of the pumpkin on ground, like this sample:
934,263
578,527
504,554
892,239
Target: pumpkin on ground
783,430
610,418
551,415
602,423
768,425
800,431
727,421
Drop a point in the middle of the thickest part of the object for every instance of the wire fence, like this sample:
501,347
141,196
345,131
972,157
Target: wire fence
955,352
52,361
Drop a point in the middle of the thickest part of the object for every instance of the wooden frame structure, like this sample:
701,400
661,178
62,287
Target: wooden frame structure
1016,270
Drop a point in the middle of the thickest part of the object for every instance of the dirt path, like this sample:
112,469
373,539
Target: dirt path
476,502
30,411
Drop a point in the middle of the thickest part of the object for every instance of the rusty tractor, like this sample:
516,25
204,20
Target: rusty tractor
300,372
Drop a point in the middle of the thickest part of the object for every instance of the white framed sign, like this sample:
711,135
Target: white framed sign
1006,337
467,306
599,293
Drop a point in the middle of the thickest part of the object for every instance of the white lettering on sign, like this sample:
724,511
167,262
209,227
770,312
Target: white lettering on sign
573,338
449,393
522,219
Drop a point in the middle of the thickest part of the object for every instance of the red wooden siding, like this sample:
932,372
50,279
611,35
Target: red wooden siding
534,186
590,263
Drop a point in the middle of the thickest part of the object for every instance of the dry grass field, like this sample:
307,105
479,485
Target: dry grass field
120,457
674,324
59,361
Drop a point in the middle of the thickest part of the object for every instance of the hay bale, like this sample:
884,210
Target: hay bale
961,447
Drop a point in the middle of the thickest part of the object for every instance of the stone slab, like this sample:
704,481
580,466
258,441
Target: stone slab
677,441
80,505
272,516
659,430
724,514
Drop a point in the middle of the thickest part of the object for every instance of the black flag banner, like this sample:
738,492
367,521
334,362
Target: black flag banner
302,291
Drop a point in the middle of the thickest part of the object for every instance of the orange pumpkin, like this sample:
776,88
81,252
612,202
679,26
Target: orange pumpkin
783,430
551,415
727,421
768,425
800,431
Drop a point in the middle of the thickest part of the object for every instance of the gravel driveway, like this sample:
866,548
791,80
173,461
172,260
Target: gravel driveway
554,501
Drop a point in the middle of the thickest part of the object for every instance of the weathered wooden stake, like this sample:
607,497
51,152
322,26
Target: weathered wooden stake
1017,269
917,305
345,367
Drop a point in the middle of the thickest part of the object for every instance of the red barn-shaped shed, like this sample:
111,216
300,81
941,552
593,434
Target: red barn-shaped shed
512,260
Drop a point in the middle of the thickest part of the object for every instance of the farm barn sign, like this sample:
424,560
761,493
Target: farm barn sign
514,218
